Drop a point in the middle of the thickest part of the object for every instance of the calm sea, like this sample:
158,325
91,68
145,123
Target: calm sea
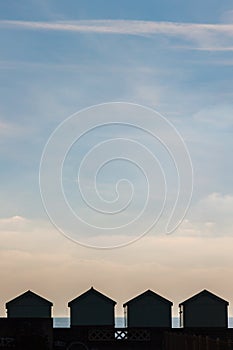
64,322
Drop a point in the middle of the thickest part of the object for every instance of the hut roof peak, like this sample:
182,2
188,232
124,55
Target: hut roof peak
204,292
91,291
150,293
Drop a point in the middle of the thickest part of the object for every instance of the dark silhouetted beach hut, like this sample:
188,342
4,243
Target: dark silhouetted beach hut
92,308
148,310
29,305
204,309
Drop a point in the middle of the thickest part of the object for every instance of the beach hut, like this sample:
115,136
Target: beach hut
92,308
148,310
29,305
204,309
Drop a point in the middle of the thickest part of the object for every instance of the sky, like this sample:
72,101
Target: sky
169,59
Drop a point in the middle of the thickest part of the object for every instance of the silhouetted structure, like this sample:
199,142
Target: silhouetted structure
148,310
204,309
92,308
29,305
26,333
29,325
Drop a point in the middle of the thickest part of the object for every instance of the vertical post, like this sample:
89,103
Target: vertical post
194,342
200,343
218,344
207,342
166,341
186,342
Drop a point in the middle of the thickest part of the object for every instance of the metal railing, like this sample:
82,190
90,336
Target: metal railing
179,341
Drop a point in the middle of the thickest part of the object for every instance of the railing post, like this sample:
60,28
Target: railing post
200,343
207,342
195,342
186,342
217,344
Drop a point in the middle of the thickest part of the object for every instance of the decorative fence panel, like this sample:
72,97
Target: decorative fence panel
131,334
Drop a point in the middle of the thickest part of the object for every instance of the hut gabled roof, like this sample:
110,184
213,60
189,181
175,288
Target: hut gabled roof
151,294
25,296
91,292
204,292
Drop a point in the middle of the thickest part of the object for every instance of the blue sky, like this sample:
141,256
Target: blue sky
210,11
60,57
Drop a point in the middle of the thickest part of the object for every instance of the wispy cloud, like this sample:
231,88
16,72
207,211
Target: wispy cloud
7,129
11,129
189,257
12,220
205,36
124,27
210,116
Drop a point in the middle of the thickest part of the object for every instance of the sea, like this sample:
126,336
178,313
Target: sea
64,322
